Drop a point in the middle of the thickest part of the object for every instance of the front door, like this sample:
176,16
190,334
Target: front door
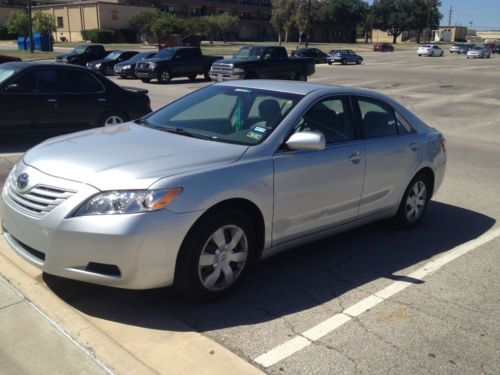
317,190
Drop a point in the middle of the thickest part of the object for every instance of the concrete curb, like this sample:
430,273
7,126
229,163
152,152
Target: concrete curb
184,352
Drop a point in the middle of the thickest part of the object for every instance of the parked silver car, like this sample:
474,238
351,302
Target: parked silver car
195,192
430,50
481,52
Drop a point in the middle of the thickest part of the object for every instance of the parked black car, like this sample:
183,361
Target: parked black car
318,55
105,66
175,62
45,96
126,68
254,62
5,58
82,54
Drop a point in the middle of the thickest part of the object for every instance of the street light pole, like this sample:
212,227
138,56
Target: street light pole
30,27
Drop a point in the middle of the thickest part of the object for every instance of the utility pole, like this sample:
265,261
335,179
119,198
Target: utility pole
373,16
30,27
449,16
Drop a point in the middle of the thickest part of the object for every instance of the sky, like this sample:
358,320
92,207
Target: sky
484,14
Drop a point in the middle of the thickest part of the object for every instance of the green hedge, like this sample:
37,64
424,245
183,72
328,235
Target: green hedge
98,35
4,34
110,36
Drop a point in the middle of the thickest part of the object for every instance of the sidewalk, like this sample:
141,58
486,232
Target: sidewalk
30,343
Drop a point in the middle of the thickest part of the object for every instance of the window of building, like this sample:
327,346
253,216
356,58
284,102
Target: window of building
167,9
246,15
265,2
196,11
60,22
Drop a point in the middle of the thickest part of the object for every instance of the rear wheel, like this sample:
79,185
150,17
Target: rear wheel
215,255
192,77
206,74
343,62
146,80
164,76
113,118
358,61
301,77
414,202
251,75
329,63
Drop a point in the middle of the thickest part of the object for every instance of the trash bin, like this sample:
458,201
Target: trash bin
21,43
42,42
27,43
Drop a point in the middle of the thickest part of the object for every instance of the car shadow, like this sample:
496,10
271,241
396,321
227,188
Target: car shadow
294,281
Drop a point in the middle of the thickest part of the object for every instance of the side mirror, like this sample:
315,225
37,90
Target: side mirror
13,87
306,141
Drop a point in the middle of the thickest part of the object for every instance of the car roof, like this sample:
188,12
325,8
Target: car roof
300,88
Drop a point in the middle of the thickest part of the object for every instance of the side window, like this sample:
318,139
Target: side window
377,120
404,126
76,81
38,82
330,117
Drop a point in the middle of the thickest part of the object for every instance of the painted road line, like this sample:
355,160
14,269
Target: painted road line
299,342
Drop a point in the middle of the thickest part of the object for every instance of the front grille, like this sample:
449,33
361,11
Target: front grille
40,199
222,68
36,253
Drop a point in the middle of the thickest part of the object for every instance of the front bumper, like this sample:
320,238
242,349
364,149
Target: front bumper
143,247
150,74
124,72
215,76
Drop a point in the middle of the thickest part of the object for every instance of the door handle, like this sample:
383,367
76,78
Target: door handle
51,100
414,146
102,100
355,156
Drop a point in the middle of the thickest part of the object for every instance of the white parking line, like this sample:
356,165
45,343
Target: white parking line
299,342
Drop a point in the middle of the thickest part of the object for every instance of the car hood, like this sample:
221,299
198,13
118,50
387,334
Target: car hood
235,61
61,57
127,156
100,61
154,59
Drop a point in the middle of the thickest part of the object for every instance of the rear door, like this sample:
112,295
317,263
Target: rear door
84,99
393,153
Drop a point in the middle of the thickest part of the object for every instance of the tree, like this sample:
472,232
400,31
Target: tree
227,23
300,19
142,22
209,26
423,14
166,23
391,16
43,22
347,12
282,17
17,23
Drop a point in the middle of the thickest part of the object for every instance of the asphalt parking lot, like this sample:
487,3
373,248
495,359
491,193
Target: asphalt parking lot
373,300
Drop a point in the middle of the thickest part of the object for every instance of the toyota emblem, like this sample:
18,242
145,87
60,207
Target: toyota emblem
22,180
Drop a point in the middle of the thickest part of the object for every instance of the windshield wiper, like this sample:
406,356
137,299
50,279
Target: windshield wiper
142,121
184,132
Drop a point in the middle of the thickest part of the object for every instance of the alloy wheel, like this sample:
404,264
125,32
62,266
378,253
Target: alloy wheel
113,120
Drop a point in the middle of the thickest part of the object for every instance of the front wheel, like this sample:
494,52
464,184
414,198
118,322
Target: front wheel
414,202
192,77
343,62
301,77
215,255
358,61
108,71
146,80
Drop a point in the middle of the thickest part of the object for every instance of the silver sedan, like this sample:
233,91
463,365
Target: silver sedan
194,193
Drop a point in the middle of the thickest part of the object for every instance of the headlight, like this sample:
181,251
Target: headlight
127,202
125,67
98,65
152,65
238,70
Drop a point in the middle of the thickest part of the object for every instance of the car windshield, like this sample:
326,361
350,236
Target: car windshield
225,114
139,56
113,55
165,53
477,48
5,73
249,53
79,50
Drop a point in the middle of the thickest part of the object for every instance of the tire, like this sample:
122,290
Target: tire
164,76
251,75
192,77
343,62
442,53
414,202
301,77
358,61
146,80
329,63
207,76
113,118
205,272
108,71
419,55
